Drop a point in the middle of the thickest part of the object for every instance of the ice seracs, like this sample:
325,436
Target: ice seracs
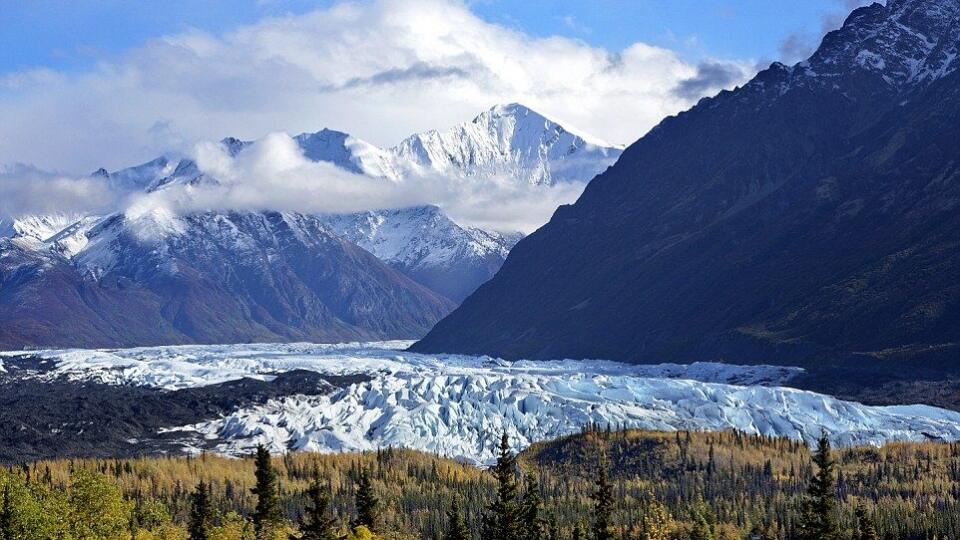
459,405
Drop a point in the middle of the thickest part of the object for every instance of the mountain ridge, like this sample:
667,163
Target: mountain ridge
797,218
68,279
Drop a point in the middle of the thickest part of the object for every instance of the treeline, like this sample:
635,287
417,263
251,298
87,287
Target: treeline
596,485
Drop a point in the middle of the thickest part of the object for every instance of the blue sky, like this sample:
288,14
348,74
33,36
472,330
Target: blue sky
73,35
105,83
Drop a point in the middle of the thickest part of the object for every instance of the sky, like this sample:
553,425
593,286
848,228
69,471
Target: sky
107,83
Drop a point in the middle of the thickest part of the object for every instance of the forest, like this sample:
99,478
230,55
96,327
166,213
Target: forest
600,484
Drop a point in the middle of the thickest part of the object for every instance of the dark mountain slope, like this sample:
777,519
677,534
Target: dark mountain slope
810,214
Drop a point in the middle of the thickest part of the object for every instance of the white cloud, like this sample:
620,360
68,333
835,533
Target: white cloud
381,70
273,174
26,190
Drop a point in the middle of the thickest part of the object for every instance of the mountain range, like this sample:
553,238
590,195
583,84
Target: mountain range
808,216
153,277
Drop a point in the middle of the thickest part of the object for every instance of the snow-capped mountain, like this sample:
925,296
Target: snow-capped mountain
207,277
459,405
176,268
509,141
905,43
427,245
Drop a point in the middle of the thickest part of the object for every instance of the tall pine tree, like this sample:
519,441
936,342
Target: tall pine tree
366,502
201,512
818,514
603,504
502,519
456,524
531,505
267,514
315,523
865,527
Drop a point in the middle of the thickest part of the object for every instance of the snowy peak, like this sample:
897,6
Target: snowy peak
234,145
349,153
140,177
510,141
424,243
418,236
906,42
330,146
65,234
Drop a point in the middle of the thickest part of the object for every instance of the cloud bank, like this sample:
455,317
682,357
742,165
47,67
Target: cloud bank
381,70
273,174
27,190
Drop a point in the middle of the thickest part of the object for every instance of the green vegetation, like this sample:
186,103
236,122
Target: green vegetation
597,485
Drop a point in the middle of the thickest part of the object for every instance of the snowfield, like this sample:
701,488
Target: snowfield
459,405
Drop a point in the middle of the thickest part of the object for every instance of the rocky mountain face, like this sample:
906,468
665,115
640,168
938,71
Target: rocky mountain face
811,214
204,278
425,244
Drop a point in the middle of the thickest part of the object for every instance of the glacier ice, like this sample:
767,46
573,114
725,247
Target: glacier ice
459,405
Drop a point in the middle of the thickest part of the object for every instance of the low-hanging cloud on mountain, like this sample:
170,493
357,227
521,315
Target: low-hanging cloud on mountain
28,190
273,174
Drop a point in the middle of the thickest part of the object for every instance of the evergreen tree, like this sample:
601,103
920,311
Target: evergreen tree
268,513
818,515
534,527
701,523
316,524
200,512
602,505
502,520
6,514
366,502
457,525
865,527
577,532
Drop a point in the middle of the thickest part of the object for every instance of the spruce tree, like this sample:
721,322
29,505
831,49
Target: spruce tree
502,520
818,515
701,525
366,502
315,523
865,527
6,514
533,526
267,513
456,524
200,512
577,532
603,505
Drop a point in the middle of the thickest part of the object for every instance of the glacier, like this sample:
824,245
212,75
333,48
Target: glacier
458,405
